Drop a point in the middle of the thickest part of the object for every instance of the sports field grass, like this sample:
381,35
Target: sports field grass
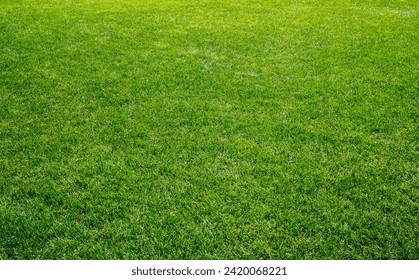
209,129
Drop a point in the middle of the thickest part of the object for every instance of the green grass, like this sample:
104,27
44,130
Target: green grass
209,129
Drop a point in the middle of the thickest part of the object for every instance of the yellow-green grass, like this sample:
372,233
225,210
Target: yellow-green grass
209,129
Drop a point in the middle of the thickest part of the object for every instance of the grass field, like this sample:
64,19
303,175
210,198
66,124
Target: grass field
209,129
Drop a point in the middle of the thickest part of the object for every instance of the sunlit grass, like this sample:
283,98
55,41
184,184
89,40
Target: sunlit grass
229,129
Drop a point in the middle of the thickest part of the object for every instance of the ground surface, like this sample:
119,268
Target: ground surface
205,129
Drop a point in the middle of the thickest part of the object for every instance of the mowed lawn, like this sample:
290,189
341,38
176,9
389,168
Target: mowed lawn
209,129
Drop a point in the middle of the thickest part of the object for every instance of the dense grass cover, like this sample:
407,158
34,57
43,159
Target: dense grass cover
209,129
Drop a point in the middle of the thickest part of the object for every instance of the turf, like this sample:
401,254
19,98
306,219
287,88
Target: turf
209,129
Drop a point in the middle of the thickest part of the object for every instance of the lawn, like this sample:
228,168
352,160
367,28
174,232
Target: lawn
209,129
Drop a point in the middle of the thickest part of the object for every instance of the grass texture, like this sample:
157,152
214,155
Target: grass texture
209,129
